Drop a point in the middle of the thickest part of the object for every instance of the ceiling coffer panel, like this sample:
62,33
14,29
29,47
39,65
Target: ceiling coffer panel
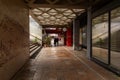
55,16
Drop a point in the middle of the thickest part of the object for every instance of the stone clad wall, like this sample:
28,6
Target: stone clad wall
14,38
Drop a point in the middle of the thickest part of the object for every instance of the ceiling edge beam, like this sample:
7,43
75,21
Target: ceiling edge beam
81,6
34,17
54,26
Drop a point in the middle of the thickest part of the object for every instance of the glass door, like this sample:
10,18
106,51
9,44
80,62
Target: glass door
115,38
100,38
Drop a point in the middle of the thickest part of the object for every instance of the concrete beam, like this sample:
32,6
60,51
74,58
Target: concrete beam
81,6
54,26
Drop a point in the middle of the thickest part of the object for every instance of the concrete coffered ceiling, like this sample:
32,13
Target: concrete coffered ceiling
55,16
57,12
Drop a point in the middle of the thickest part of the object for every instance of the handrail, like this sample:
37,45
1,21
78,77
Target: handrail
35,37
103,33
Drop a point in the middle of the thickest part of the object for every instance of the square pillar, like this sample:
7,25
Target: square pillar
76,32
89,33
69,37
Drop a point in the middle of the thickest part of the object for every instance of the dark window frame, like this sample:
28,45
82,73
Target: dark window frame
106,9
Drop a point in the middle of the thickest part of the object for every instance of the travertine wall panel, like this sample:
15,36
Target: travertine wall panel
14,38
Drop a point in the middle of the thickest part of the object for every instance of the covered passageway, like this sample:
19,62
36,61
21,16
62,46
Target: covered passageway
59,39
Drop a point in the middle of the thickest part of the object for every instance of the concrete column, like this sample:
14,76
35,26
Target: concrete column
65,38
69,37
76,32
89,33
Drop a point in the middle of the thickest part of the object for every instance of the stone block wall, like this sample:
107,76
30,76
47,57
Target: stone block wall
14,37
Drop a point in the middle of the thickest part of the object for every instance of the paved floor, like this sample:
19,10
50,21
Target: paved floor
102,55
62,63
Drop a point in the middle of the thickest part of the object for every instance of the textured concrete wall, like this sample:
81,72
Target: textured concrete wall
14,38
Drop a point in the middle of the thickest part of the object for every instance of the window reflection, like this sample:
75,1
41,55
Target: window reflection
115,37
83,37
100,37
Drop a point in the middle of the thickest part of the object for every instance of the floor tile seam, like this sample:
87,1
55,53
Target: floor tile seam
85,64
93,63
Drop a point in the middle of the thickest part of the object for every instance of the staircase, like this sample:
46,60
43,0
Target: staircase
34,49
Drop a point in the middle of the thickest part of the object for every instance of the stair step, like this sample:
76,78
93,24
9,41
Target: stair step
35,50
32,46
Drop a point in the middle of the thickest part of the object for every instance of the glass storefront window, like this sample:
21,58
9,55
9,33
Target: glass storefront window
83,37
80,37
100,38
115,38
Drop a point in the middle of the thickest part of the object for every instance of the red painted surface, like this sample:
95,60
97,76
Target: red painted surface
69,37
67,34
53,31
